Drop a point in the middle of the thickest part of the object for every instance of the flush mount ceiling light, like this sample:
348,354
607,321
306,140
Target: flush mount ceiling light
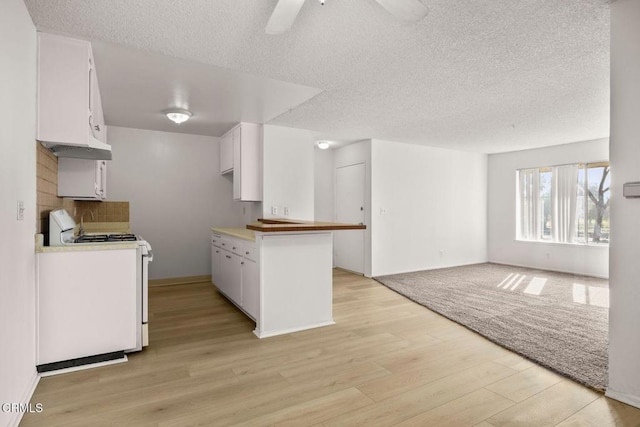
177,115
323,145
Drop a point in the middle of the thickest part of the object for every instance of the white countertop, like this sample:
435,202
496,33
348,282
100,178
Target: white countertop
240,233
82,246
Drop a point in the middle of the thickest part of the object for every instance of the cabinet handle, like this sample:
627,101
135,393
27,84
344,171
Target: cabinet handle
234,248
217,252
228,256
246,253
97,127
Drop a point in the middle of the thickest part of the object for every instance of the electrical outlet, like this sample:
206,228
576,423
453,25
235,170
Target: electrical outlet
441,252
383,211
286,211
274,210
20,210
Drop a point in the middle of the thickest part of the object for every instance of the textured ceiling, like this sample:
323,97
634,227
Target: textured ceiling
480,75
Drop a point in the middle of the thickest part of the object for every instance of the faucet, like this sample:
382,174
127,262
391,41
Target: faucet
81,229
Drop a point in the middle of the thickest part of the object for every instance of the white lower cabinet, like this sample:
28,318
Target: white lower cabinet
231,283
215,258
251,288
235,271
86,303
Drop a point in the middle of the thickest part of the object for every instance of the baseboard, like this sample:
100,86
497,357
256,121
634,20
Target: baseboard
623,397
267,334
179,280
555,270
357,273
14,421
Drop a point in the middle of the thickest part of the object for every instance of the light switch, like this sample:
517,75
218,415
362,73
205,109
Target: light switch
631,189
20,210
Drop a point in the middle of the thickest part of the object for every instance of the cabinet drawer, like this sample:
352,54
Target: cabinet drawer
225,244
236,247
250,252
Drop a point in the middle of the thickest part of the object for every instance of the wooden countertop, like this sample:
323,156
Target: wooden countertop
280,225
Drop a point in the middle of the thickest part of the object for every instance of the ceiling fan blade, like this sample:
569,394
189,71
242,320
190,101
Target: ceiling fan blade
406,10
283,16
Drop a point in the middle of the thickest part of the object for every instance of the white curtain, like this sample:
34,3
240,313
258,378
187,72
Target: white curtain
529,195
564,200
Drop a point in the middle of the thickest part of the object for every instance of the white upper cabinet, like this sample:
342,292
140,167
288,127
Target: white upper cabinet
82,179
69,102
226,152
241,153
96,117
247,161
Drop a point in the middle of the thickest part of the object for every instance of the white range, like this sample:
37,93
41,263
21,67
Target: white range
102,292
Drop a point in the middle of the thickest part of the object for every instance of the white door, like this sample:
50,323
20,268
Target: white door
349,244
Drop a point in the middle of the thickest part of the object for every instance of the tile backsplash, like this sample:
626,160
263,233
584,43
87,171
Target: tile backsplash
102,211
48,200
47,188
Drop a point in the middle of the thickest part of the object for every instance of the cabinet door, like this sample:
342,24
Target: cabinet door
79,178
78,316
251,288
231,283
216,275
247,172
96,123
101,179
226,153
63,89
237,164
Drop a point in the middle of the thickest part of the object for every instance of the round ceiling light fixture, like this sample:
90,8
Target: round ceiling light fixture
178,115
323,145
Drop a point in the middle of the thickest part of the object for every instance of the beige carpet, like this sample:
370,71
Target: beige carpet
557,320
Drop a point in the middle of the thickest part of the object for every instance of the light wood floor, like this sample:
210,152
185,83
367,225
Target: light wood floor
387,361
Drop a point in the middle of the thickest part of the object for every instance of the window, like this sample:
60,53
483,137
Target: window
568,203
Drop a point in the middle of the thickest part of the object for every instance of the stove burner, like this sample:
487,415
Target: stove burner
100,238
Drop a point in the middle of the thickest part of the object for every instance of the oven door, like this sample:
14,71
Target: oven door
144,256
147,257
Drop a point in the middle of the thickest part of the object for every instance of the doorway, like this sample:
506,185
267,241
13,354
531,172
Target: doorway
350,205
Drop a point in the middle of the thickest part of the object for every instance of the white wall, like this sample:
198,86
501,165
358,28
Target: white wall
359,152
17,182
323,185
436,207
176,195
624,337
288,169
503,248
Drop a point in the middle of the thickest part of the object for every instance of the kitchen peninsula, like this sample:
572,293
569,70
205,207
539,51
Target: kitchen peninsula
279,272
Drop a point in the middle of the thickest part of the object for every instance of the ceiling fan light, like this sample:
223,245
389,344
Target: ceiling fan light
178,115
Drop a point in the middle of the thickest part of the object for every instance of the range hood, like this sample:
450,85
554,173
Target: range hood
92,150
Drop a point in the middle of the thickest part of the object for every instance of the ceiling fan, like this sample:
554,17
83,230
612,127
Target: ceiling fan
285,12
